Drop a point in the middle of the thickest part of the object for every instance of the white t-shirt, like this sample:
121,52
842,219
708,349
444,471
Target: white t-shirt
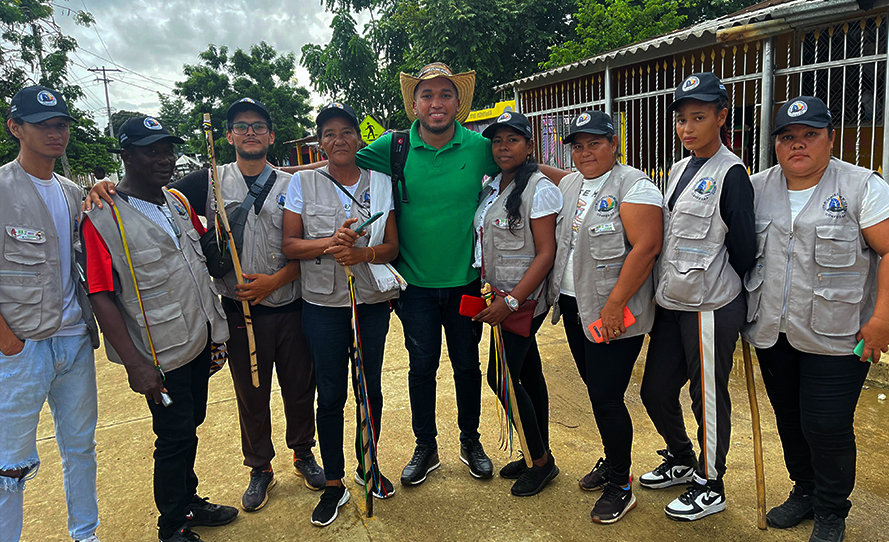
547,201
643,192
72,316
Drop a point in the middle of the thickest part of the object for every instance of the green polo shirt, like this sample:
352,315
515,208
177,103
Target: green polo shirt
435,228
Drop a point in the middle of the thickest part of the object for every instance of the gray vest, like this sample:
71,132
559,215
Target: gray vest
599,252
174,284
30,270
506,255
693,271
263,234
817,271
324,280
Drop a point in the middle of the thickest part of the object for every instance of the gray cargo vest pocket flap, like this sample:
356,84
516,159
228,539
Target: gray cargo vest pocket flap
836,312
686,283
761,227
692,220
168,327
505,239
148,272
607,245
23,252
23,295
835,246
319,222
754,278
146,256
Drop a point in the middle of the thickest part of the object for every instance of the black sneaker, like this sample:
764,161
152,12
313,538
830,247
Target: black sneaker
306,466
182,535
674,471
698,501
424,461
828,529
473,454
598,477
796,508
257,494
614,503
331,500
514,469
203,512
381,493
533,480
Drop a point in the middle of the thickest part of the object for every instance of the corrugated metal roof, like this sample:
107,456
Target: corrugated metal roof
793,12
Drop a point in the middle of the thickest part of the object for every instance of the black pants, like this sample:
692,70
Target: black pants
694,347
280,344
531,397
814,398
175,482
606,370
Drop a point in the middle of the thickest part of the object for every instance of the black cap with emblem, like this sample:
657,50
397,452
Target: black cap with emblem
143,131
704,87
336,109
514,120
36,104
807,110
590,122
247,104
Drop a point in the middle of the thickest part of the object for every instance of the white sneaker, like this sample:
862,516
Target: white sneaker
93,538
698,501
669,473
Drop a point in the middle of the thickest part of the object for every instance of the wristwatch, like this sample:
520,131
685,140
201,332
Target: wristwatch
512,303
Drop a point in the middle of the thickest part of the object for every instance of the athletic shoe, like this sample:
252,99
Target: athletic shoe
93,538
673,471
796,508
533,480
698,501
424,461
598,477
182,535
473,454
614,503
257,494
203,512
306,466
514,469
331,500
828,529
387,491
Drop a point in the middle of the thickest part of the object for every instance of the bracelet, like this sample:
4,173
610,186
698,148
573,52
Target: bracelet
373,254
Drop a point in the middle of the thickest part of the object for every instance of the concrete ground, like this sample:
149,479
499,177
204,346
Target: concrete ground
450,505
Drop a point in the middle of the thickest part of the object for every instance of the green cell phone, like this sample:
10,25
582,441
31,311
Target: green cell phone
369,221
860,350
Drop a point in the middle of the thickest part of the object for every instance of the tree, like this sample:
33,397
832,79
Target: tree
121,116
88,147
172,114
262,74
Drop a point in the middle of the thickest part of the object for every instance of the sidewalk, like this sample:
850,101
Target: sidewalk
450,505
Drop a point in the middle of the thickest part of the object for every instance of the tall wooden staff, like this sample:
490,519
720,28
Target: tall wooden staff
757,438
220,224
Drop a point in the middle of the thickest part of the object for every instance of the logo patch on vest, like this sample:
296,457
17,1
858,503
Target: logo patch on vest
183,212
704,189
26,235
835,206
281,200
606,206
365,197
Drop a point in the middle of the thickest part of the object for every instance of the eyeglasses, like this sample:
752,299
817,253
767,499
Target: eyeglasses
259,128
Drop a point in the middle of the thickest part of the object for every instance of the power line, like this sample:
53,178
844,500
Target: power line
105,80
124,68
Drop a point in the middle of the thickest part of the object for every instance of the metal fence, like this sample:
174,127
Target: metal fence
843,63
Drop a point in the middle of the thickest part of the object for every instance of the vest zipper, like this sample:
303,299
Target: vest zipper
693,250
787,277
609,266
839,274
6,273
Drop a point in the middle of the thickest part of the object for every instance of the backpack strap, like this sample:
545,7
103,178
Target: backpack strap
397,159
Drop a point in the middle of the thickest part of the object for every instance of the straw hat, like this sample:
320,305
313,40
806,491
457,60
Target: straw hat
465,83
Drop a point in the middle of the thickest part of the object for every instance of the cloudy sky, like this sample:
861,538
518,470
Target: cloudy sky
154,38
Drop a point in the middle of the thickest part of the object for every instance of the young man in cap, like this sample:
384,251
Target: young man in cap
47,331
149,285
273,290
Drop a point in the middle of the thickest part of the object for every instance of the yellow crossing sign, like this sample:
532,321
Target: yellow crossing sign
370,129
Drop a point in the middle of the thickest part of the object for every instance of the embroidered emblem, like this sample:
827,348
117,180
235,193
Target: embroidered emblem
336,104
152,123
282,199
797,108
606,206
504,117
179,208
248,100
26,235
704,189
583,119
365,197
835,206
690,84
45,97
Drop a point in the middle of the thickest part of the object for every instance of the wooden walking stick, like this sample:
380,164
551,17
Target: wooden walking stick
221,223
757,438
510,404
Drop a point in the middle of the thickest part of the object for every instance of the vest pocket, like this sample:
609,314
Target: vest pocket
510,268
762,231
20,252
195,242
20,302
752,283
168,327
148,273
692,220
606,277
835,246
504,239
836,312
319,222
607,245
684,283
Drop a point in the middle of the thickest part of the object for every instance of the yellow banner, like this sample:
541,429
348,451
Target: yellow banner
493,112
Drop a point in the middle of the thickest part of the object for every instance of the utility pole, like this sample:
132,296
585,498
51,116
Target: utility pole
105,80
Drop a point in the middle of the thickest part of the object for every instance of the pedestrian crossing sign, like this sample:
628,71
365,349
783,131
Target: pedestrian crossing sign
370,129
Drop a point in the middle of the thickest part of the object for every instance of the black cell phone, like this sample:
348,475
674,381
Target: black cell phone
369,221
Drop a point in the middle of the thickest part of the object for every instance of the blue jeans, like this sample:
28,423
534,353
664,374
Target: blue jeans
60,370
328,331
423,312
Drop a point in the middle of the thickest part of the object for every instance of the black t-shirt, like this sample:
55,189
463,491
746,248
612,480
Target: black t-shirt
736,208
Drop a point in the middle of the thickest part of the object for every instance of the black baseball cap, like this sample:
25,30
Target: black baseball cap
336,109
590,122
143,131
247,104
37,104
704,87
514,120
807,110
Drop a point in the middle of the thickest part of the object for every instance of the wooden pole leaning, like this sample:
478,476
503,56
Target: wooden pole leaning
757,438
514,407
222,220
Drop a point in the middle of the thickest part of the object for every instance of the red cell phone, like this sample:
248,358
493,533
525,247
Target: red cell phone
471,305
596,327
